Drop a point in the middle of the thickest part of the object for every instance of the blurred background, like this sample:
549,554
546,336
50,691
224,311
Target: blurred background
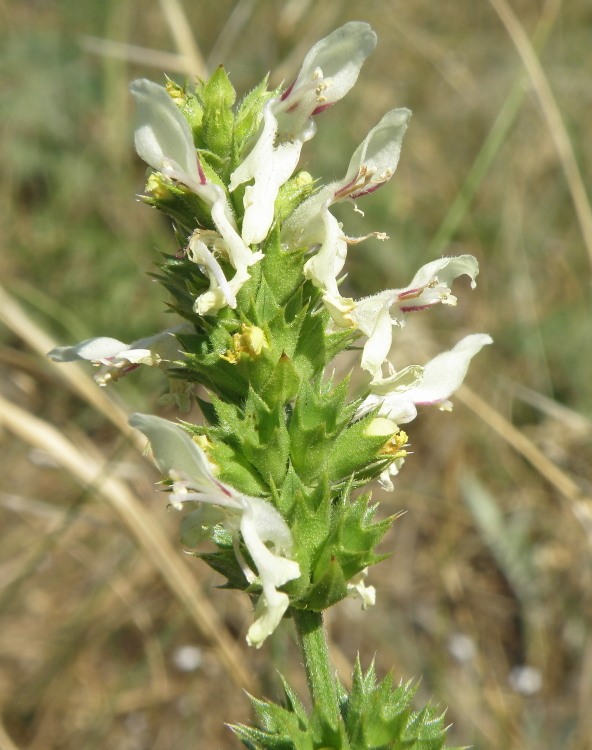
109,635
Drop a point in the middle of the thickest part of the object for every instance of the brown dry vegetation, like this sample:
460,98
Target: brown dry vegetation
491,565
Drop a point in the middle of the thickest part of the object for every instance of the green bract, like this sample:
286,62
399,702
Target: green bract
374,717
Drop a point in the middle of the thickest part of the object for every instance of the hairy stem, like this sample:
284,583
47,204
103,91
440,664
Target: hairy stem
312,638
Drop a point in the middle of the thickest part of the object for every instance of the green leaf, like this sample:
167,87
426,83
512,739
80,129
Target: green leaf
424,731
178,202
224,562
316,348
353,450
190,106
218,96
292,193
236,470
211,163
283,270
319,415
283,384
207,409
375,717
218,166
248,117
328,587
264,439
293,704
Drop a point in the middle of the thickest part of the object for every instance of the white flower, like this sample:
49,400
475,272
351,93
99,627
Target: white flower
118,358
163,139
258,522
201,248
270,166
399,395
356,588
376,315
372,165
163,136
328,72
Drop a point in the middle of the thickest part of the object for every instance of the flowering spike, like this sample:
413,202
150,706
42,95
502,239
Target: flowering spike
270,472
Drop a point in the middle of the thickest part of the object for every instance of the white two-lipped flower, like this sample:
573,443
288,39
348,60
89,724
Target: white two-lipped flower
117,359
328,72
375,316
164,141
264,532
371,166
399,395
203,247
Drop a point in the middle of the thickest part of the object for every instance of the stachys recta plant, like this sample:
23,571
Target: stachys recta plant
270,474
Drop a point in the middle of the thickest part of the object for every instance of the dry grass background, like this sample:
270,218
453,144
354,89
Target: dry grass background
487,595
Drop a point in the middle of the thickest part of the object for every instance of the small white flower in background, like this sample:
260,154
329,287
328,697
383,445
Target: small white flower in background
376,315
163,140
259,523
188,658
526,680
462,647
328,72
399,395
117,358
356,588
372,165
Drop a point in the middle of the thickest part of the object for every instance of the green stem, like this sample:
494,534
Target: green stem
312,638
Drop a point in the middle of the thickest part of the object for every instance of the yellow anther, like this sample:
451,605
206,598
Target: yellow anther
250,341
158,189
177,94
447,299
206,445
254,338
395,445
